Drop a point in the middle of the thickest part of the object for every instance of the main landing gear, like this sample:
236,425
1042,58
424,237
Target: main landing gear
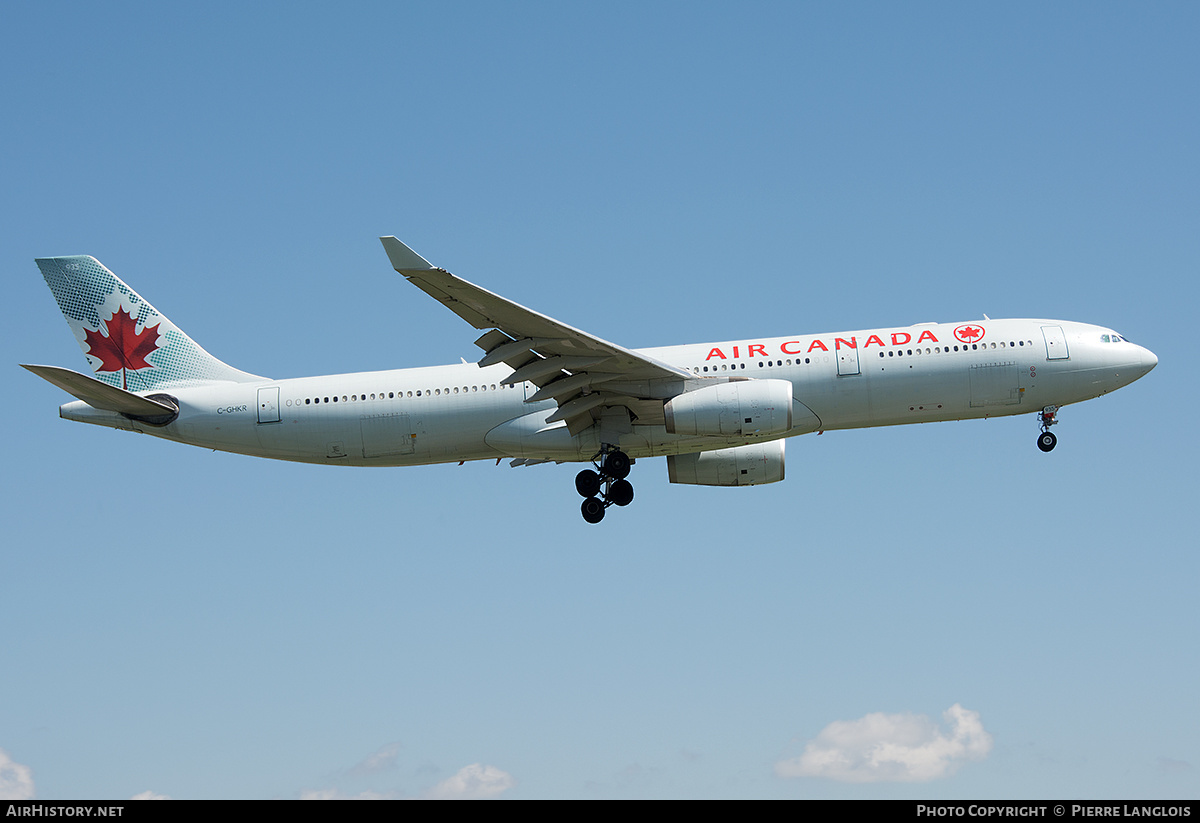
608,481
1047,418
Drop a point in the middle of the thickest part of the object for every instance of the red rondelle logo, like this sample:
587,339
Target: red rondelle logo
969,333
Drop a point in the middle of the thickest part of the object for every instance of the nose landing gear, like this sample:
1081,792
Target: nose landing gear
1047,418
606,486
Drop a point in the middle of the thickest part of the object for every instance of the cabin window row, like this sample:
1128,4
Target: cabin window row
352,398
947,349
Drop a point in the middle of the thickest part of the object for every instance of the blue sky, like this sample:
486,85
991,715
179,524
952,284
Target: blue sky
196,624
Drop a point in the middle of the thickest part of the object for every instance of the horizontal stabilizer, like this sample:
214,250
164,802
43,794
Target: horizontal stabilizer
100,395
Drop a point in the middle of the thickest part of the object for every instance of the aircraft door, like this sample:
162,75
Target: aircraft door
1056,343
847,360
995,384
268,405
387,435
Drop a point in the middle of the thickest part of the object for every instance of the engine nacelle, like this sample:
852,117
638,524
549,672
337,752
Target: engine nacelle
751,465
743,407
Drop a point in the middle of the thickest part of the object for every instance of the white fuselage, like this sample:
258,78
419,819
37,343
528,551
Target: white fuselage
882,377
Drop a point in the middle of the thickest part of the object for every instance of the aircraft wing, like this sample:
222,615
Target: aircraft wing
582,373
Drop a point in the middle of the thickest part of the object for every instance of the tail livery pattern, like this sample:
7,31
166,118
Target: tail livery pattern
128,343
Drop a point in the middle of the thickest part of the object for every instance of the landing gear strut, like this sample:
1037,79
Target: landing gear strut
606,486
1047,418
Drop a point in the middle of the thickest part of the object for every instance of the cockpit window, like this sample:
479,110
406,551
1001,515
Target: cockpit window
1104,338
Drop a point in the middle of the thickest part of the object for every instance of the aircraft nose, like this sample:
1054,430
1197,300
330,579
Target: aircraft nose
1149,360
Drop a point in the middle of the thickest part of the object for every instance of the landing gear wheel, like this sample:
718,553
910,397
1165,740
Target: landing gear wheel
593,510
620,493
607,485
1047,441
587,483
616,465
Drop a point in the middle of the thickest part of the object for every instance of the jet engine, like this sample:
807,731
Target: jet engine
743,407
751,465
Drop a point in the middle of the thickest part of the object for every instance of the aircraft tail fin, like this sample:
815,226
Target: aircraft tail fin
128,343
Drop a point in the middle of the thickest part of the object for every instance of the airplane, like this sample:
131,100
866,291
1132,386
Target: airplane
544,391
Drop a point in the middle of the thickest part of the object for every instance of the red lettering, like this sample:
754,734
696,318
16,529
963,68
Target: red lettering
756,348
784,348
927,335
873,339
816,344
735,351
852,343
896,341
716,353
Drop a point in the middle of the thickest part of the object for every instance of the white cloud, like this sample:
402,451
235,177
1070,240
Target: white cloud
16,779
336,794
891,748
474,782
149,795
381,760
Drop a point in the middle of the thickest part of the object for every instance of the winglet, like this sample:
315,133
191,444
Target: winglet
402,257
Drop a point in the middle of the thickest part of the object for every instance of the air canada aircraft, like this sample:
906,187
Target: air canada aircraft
546,392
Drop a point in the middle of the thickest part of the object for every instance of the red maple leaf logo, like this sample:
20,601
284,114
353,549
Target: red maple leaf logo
124,348
968,333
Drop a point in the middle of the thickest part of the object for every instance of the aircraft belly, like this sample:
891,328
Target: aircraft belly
530,436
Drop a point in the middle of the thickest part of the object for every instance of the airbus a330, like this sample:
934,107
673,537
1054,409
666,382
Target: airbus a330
546,392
